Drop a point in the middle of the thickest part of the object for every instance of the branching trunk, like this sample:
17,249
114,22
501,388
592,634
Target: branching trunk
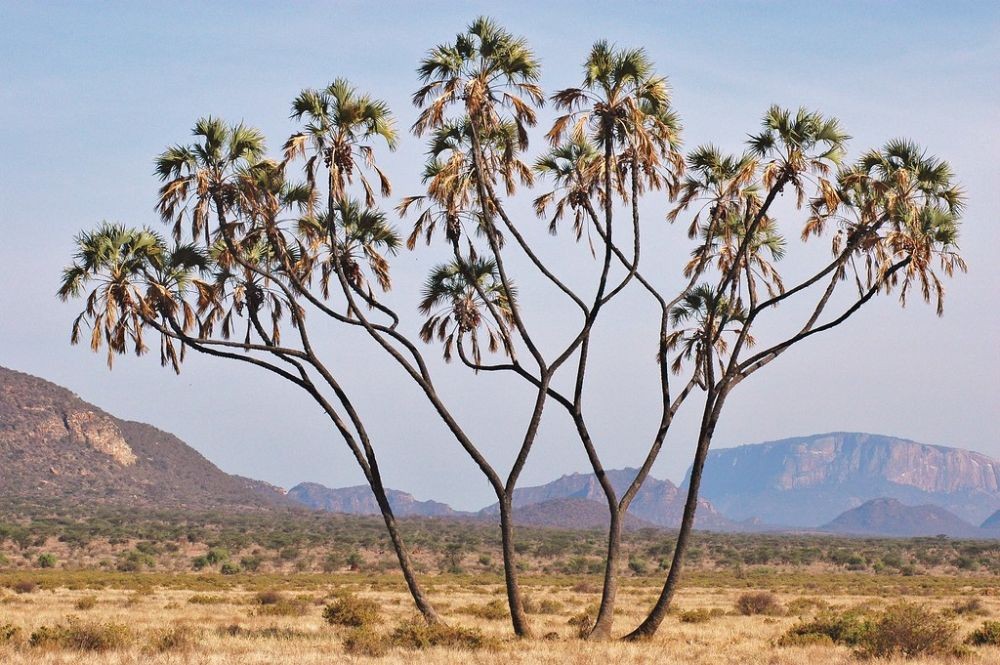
515,602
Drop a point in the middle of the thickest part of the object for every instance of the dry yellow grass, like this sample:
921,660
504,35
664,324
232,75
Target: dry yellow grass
729,639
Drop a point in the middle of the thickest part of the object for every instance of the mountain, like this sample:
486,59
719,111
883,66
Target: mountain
992,523
659,502
54,447
889,517
572,514
808,481
360,500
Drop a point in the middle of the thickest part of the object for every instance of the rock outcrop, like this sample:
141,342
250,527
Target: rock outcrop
54,447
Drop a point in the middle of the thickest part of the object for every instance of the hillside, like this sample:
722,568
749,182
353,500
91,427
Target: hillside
360,500
808,481
659,502
889,517
54,447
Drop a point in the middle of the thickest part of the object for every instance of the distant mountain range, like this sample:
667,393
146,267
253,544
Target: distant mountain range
572,501
360,500
56,447
809,481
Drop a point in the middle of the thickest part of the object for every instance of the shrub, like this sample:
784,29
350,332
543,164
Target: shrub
638,566
268,597
229,569
803,605
584,622
24,586
270,633
349,610
845,628
417,634
10,634
291,607
758,602
365,642
86,603
135,561
250,563
46,560
970,607
986,635
176,638
206,599
82,636
699,615
909,630
495,610
216,555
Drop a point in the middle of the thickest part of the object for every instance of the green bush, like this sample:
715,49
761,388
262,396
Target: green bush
349,610
216,555
46,560
699,615
846,628
251,563
229,568
417,634
286,607
81,636
758,602
909,630
365,642
986,635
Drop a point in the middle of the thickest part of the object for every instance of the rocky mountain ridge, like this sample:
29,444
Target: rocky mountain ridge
56,447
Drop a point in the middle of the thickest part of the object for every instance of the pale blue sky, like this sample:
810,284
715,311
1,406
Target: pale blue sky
91,92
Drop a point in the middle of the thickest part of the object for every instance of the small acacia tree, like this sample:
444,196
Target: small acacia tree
257,257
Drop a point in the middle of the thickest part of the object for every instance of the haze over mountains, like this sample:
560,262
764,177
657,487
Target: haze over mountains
56,447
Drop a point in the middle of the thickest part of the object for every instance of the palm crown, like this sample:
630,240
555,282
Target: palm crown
453,300
339,122
202,175
623,103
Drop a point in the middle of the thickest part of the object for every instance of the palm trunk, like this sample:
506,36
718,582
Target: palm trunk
659,611
606,613
420,599
514,601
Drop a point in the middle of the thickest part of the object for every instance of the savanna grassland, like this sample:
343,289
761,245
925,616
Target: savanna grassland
306,588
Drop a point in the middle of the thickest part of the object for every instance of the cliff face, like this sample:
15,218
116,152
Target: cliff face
360,500
56,447
807,481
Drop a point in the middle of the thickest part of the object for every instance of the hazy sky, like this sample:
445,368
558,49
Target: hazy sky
91,92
